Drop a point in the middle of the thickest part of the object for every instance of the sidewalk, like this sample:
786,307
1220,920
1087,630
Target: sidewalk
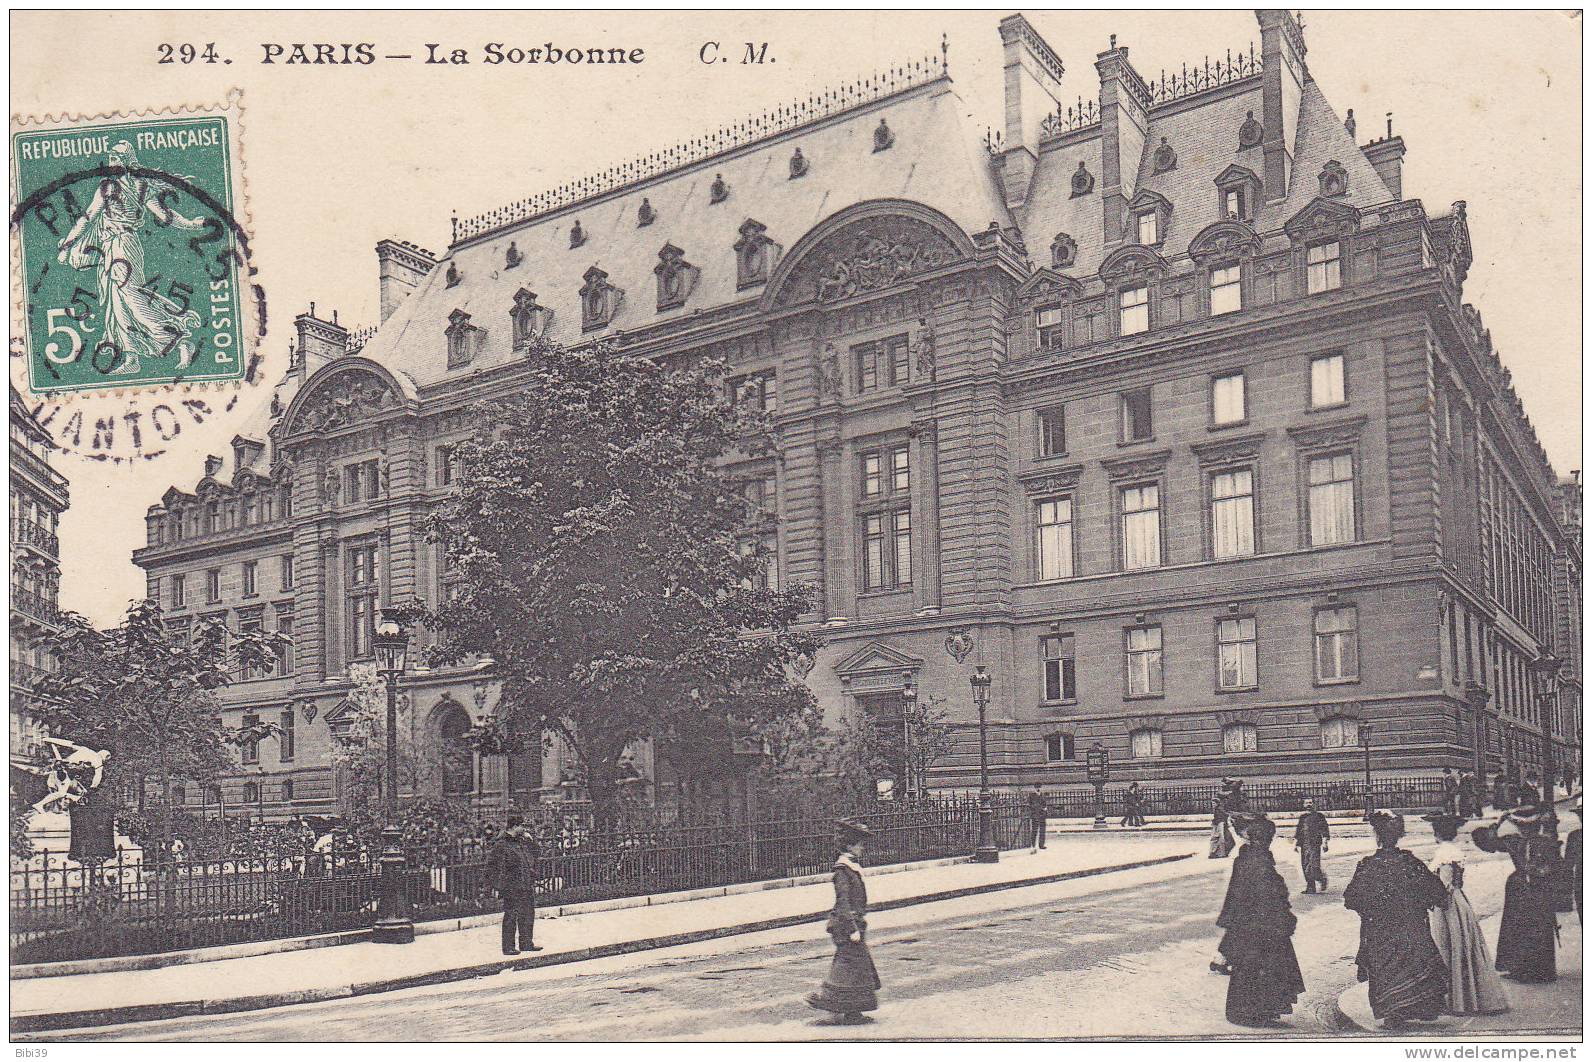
256,982
1551,1009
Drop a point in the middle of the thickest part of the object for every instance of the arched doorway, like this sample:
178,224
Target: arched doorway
456,760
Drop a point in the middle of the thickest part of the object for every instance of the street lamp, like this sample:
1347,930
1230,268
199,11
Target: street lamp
393,925
1546,670
986,852
909,700
1365,746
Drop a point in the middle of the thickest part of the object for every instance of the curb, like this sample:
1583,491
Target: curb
79,1019
217,953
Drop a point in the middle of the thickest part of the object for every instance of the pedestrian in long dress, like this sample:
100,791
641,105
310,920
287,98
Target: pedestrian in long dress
1038,811
1221,829
1528,931
512,868
1259,922
1311,837
851,987
1392,890
1133,804
1473,984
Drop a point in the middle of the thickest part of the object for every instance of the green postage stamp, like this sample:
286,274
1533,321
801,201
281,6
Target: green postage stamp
134,261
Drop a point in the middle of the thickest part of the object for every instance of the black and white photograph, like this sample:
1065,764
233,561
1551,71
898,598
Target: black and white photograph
797,526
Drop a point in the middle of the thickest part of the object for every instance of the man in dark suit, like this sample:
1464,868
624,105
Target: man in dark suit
511,869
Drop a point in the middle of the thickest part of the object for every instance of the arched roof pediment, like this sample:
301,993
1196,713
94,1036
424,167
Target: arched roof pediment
1228,238
1047,283
866,247
346,391
1130,262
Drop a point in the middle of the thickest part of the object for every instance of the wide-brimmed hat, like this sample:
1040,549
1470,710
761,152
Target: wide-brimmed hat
1485,838
1443,819
1255,826
853,829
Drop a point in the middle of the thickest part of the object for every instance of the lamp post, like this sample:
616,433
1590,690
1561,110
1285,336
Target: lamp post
1546,670
1365,746
393,925
909,700
986,852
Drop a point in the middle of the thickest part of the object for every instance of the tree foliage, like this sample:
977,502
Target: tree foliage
598,545
148,695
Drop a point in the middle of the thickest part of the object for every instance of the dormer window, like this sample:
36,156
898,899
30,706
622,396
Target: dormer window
1063,251
883,138
675,276
530,319
461,339
1082,181
577,235
1051,323
512,257
1238,193
754,254
720,191
1149,229
646,215
1334,180
599,300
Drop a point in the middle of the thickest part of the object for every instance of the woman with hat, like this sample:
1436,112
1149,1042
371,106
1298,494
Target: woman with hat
1259,922
850,988
1392,890
1473,984
1530,926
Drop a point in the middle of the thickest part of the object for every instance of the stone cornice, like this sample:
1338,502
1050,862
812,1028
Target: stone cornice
1341,431
1235,448
1136,465
1053,479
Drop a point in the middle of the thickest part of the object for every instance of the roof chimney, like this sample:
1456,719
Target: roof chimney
1124,124
319,341
1033,92
1283,78
403,266
1386,156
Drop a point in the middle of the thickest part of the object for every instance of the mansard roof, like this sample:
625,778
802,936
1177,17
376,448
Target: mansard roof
934,159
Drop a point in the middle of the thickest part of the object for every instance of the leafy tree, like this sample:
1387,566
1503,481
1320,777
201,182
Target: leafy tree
598,544
148,696
860,751
359,750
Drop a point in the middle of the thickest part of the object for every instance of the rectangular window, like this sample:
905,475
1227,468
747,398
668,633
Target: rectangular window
1326,381
872,480
1058,747
1134,305
1052,431
251,622
1331,499
873,552
1137,423
1141,527
287,571
213,517
444,466
1233,513
1051,321
251,570
1149,231
363,591
178,591
900,470
1227,290
902,532
286,748
213,586
284,648
1228,405
1239,737
1053,538
866,356
1235,654
1322,272
1060,667
250,749
1233,203
898,356
362,480
1337,645
1146,744
1144,662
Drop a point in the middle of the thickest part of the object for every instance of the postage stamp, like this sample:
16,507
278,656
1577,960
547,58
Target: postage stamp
133,261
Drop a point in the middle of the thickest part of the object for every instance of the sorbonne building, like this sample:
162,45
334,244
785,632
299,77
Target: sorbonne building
39,495
1165,407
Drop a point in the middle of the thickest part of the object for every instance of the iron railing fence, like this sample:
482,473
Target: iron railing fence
125,906
1279,797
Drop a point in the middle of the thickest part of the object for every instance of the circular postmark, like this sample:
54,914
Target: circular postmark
137,306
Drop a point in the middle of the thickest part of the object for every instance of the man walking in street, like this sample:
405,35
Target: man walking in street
512,871
1133,805
1450,791
1310,837
1038,811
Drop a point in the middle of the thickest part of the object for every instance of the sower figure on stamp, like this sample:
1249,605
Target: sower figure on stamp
852,985
512,869
1310,837
138,321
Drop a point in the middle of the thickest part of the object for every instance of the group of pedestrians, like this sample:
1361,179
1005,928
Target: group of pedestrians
1421,947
